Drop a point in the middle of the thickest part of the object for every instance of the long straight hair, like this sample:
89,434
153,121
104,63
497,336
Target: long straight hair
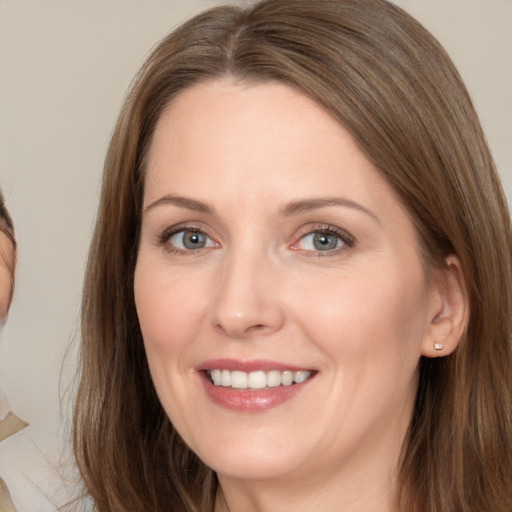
391,85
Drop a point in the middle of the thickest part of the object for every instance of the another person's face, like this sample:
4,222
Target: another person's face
6,255
270,245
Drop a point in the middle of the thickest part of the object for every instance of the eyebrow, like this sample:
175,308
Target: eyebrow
306,205
182,202
293,208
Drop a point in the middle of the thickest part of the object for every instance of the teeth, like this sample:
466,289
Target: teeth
273,379
257,380
216,376
225,378
287,378
299,377
239,380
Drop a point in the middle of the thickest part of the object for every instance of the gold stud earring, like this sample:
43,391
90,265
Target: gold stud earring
438,346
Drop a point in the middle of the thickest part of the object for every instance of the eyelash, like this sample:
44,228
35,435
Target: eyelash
347,240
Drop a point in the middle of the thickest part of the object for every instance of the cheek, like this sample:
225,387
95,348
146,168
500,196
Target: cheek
5,290
371,329
378,317
168,308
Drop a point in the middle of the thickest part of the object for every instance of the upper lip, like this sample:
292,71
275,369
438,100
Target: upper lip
248,366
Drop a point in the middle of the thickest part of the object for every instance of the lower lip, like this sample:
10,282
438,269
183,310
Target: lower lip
251,401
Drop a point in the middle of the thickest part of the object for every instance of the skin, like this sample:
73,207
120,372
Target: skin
359,315
6,254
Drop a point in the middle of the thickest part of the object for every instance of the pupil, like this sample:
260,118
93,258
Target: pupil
324,242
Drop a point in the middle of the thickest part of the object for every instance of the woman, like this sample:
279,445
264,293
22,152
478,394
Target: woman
299,287
10,424
8,260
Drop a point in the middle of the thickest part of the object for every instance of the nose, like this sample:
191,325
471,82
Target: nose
248,301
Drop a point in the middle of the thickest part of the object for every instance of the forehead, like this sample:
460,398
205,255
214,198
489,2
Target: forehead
265,131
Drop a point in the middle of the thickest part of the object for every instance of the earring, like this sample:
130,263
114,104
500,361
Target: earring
438,346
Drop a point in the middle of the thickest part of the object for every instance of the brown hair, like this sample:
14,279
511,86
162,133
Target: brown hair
7,258
389,82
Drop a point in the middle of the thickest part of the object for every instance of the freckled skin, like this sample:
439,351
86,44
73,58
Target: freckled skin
260,289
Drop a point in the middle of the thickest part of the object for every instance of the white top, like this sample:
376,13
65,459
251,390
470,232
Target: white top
31,464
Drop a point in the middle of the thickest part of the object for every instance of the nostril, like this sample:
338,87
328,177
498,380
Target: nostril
258,327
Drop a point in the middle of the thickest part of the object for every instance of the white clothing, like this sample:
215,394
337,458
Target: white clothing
31,466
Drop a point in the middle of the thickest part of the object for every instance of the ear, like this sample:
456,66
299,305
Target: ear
448,312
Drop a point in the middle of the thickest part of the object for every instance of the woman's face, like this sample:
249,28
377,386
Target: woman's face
272,251
6,255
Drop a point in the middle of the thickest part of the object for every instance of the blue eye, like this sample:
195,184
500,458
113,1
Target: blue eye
187,239
324,241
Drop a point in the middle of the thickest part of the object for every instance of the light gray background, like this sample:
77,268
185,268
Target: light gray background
64,69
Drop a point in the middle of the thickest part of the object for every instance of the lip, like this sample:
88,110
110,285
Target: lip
247,400
252,365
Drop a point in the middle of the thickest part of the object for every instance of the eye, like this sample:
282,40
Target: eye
328,240
189,240
320,242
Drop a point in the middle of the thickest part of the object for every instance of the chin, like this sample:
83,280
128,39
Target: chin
260,456
257,467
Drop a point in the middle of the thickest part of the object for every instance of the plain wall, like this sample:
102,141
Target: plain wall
64,69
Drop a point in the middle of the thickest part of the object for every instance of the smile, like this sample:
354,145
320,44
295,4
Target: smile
252,386
258,379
